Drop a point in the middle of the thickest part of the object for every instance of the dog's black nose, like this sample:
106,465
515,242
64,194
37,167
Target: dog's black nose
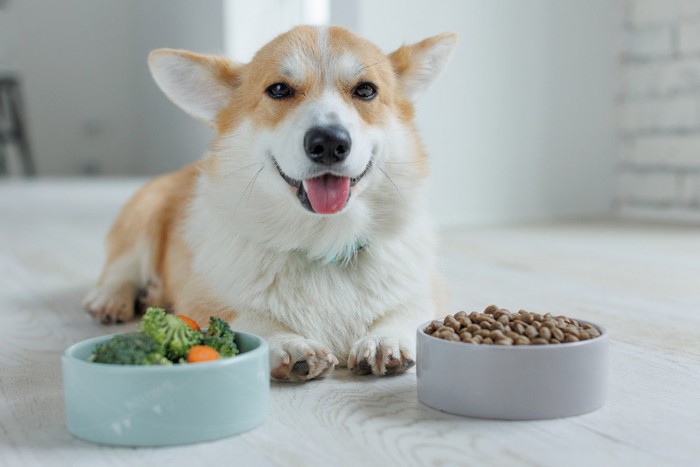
327,144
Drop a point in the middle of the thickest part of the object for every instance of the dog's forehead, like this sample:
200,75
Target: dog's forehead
322,53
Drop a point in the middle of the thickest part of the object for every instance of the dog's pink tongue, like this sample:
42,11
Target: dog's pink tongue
328,193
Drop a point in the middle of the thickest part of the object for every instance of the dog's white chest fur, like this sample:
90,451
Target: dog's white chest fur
333,303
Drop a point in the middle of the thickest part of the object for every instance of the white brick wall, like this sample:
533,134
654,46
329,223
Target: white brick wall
659,109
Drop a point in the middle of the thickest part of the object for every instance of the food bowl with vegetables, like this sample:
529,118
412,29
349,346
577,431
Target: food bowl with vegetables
169,383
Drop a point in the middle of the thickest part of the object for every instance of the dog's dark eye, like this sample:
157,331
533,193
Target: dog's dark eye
365,91
279,91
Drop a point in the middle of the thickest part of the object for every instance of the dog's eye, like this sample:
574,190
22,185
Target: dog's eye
279,91
365,91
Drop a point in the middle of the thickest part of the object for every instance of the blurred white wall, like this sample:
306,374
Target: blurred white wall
521,124
91,103
76,64
249,25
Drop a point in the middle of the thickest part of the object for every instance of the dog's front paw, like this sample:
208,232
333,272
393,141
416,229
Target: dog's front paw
380,355
111,304
299,359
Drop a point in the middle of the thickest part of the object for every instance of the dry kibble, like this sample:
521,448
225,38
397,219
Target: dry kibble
464,320
513,335
432,327
558,334
452,322
531,331
504,341
461,314
473,327
496,335
501,327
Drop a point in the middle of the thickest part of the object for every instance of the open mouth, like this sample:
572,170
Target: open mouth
325,194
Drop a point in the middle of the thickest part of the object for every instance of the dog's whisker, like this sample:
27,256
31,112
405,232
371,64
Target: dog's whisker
371,65
249,186
255,177
392,182
404,162
239,169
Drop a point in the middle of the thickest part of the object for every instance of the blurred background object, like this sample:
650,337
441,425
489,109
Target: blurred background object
550,109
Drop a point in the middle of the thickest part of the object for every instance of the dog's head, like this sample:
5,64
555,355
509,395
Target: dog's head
315,147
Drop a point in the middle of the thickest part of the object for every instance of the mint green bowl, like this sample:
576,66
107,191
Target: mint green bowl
165,405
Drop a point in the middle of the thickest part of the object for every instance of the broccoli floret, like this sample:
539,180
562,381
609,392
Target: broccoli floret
173,335
220,336
130,349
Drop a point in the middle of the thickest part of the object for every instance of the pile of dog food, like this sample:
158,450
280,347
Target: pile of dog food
501,327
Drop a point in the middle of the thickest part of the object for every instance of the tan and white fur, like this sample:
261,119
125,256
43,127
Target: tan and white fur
229,236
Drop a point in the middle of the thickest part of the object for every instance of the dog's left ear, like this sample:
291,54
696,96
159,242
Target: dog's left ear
418,65
201,85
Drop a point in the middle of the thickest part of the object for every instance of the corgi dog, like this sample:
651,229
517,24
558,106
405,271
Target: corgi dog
307,221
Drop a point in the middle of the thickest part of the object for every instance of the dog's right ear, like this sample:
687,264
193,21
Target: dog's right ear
419,64
199,84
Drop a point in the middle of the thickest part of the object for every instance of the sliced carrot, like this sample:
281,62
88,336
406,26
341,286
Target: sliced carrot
202,353
190,322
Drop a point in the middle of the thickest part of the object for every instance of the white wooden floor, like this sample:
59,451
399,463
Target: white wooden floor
640,281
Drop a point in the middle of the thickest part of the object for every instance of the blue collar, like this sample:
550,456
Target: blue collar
348,254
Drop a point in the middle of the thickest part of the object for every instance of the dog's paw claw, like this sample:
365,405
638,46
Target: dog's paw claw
379,356
298,359
111,305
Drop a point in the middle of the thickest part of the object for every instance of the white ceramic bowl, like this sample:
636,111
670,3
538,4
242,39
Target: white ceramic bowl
524,382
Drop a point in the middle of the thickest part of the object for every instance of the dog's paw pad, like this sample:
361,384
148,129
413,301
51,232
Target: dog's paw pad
380,356
300,360
111,304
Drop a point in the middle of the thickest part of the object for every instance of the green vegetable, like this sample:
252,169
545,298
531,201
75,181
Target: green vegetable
130,349
220,336
173,335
